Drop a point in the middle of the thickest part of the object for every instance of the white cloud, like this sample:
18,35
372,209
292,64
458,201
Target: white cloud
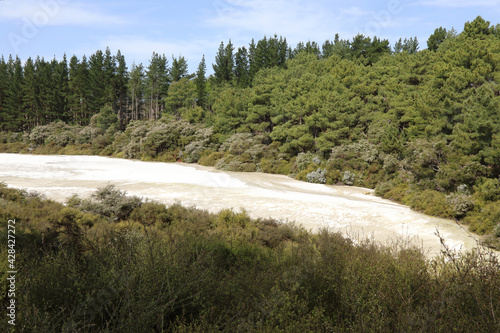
301,20
294,19
139,49
461,3
56,12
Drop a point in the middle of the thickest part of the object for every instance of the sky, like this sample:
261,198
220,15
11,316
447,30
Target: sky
193,28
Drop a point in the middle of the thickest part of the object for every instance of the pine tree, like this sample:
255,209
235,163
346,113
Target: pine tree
201,83
120,84
157,82
253,65
282,52
61,89
438,37
46,91
4,81
241,67
398,46
79,90
109,67
97,82
179,68
327,49
229,61
14,95
136,89
411,45
477,28
30,95
224,63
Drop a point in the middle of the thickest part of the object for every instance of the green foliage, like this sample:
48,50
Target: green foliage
211,159
486,219
434,203
318,176
224,63
185,269
409,123
106,118
477,28
109,202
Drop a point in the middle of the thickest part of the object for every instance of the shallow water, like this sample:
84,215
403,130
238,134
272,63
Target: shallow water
354,211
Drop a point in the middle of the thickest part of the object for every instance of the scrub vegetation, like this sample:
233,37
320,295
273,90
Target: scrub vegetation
421,127
114,263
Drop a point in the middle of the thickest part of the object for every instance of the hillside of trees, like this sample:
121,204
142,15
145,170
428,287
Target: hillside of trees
115,263
422,127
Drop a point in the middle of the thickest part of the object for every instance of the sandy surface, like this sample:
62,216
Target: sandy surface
354,211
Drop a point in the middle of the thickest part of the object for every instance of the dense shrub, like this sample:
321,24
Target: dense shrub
485,219
58,133
304,159
349,177
382,188
185,269
108,201
460,203
431,203
318,176
211,159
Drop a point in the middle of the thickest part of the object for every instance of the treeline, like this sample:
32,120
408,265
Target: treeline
38,91
117,263
421,127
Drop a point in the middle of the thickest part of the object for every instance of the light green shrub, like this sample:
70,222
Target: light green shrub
318,176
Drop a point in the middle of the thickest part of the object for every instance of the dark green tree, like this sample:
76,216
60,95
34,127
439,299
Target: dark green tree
60,76
410,45
477,28
110,68
179,68
224,63
157,83
438,37
30,95
107,118
201,84
79,90
241,68
136,90
120,85
5,116
97,82
14,96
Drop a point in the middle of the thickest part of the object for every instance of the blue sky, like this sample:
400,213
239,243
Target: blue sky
192,28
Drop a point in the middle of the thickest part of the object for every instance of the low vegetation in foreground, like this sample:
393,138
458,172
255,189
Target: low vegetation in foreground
115,263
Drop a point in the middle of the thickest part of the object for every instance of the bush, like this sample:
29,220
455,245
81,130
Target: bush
62,139
431,203
318,176
183,269
211,159
151,213
398,193
88,134
486,219
382,188
460,204
109,202
279,166
348,177
304,159
332,176
57,133
489,190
